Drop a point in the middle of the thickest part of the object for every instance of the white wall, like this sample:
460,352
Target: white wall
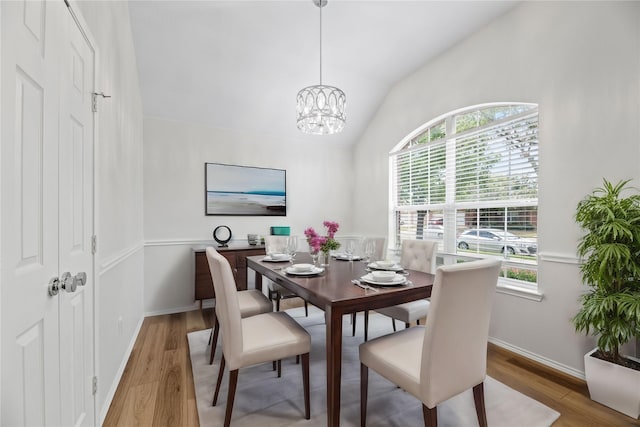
319,187
119,260
581,63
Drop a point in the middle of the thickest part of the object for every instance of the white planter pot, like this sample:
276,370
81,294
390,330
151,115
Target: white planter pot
613,385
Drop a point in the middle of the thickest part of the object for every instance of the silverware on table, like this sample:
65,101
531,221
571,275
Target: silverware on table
363,285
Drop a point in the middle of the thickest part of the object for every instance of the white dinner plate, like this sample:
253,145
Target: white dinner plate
399,279
314,270
395,267
345,257
269,259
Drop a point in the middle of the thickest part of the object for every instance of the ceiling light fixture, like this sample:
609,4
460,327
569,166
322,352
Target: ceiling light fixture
320,108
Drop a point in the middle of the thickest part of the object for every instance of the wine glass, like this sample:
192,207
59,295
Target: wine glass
369,249
349,248
292,247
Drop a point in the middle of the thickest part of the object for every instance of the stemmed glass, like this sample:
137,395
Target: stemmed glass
369,249
349,248
292,247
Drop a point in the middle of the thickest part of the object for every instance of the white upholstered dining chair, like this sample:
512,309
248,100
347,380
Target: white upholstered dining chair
277,293
419,255
449,354
252,340
250,302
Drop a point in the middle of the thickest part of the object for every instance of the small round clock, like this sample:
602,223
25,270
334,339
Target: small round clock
222,235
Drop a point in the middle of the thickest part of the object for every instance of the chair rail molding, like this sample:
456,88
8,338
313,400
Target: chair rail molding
560,258
119,257
183,242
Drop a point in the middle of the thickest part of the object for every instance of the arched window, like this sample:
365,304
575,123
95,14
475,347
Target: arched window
470,180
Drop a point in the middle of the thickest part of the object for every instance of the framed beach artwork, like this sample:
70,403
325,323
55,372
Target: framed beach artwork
245,190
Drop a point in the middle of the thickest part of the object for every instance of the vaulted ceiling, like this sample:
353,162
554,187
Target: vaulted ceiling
239,64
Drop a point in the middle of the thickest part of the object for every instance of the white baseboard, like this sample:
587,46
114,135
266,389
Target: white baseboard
194,306
540,359
116,381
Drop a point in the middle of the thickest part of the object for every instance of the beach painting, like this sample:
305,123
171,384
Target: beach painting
245,190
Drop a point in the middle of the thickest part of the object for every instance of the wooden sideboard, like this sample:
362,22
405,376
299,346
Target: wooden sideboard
237,257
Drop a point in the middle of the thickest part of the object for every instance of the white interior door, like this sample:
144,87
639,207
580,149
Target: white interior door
47,212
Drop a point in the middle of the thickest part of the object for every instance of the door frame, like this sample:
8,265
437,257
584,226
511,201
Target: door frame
82,25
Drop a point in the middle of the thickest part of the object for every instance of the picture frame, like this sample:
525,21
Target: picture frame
237,190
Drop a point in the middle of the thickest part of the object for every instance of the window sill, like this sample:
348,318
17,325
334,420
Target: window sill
508,287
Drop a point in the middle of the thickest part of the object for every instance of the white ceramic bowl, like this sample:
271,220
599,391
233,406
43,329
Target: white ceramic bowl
278,257
302,267
383,276
385,263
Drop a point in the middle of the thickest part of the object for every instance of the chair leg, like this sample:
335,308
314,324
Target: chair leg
297,359
418,322
353,324
393,322
278,302
478,398
364,387
279,368
366,325
430,416
273,296
275,365
305,385
214,341
233,382
219,382
406,325
306,309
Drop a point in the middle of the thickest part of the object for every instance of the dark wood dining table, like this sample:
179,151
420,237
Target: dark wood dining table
333,292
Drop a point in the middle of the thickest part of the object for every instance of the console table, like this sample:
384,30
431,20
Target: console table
236,254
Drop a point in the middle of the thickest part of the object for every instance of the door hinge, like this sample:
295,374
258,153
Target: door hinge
94,100
95,385
94,244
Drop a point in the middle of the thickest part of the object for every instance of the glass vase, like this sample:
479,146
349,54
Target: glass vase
326,259
314,256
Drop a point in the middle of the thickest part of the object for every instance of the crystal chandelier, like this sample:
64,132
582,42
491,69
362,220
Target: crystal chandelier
320,108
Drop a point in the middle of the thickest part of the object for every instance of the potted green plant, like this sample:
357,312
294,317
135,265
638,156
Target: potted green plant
610,310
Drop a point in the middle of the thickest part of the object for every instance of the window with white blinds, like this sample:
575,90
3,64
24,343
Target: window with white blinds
470,180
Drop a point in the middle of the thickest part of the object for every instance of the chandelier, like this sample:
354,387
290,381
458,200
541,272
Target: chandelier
320,108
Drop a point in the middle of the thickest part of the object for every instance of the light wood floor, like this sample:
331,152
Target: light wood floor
157,386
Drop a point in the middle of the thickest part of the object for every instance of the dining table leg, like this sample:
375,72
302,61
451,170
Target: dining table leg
258,280
334,365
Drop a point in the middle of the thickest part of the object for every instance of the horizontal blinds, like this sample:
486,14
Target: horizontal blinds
493,163
499,162
420,176
484,178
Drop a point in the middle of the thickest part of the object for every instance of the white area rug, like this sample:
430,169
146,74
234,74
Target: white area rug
262,399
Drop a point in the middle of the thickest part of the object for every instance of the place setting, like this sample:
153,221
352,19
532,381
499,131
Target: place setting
348,255
385,265
276,257
303,269
380,278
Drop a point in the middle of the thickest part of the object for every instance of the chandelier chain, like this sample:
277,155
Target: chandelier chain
320,7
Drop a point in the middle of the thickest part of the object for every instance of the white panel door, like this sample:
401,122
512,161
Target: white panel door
47,340
30,98
76,228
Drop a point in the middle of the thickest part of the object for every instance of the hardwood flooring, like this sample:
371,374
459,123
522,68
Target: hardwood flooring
156,388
